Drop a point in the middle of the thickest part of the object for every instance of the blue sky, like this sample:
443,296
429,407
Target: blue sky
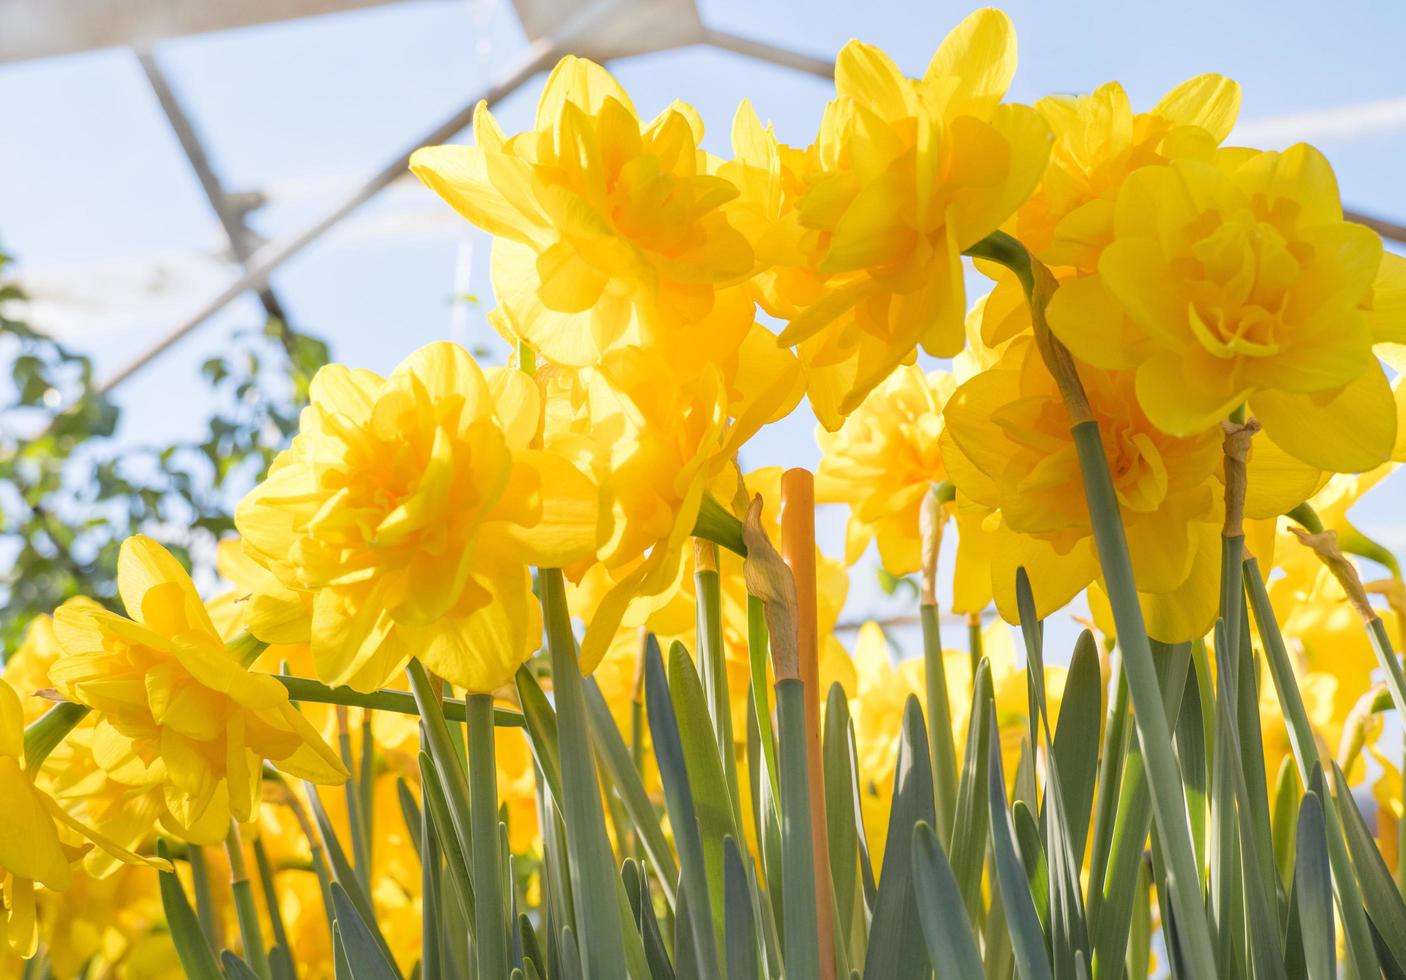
92,179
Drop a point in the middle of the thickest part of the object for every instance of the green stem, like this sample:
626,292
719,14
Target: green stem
204,900
974,651
452,778
251,936
1149,714
266,882
592,866
802,952
1307,516
491,951
356,817
398,702
717,524
46,732
940,747
712,663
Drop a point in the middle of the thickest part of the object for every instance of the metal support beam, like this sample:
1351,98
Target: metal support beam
538,56
231,219
785,57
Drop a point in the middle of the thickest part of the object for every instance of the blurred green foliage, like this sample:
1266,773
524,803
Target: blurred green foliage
73,485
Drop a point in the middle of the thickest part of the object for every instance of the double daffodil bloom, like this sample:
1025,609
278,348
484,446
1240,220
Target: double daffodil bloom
1245,283
411,508
654,445
871,221
30,848
121,800
38,840
174,702
1008,448
882,462
1098,141
606,232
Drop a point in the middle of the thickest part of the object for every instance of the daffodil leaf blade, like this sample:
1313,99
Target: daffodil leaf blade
952,946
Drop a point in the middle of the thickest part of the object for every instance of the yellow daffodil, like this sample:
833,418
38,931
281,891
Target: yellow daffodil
38,839
654,445
410,508
1098,142
904,175
30,849
1008,448
607,231
882,461
121,800
174,702
1243,281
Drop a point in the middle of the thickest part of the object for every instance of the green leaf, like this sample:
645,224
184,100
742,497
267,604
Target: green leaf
951,943
678,795
892,953
438,813
235,968
712,804
1076,740
712,668
1256,864
1357,931
1140,931
757,648
940,748
1383,902
1032,855
740,928
1286,816
343,874
541,722
365,957
1116,735
197,959
1023,922
1313,891
969,828
616,758
642,910
839,765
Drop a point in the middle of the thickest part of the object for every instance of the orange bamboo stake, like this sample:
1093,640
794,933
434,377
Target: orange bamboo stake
798,550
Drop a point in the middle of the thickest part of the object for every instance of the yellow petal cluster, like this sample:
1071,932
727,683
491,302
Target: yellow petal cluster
174,703
1241,281
872,219
607,232
1008,447
410,508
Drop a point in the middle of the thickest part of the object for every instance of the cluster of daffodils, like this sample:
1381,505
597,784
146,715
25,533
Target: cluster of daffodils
1204,310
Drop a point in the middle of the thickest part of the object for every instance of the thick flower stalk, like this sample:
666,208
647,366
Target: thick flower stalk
410,508
174,703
